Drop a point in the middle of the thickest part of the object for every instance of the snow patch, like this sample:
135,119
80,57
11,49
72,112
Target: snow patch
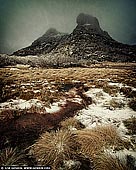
53,108
120,85
14,69
20,104
36,91
116,84
99,114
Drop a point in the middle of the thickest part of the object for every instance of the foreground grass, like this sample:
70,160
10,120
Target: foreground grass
23,82
51,85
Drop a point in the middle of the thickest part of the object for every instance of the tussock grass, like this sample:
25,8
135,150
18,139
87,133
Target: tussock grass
11,156
109,162
35,109
114,104
59,80
71,124
53,148
130,125
94,141
111,90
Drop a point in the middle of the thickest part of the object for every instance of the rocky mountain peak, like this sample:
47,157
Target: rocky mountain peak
89,24
86,42
88,21
51,32
85,19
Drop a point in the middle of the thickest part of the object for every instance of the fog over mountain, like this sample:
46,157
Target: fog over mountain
21,22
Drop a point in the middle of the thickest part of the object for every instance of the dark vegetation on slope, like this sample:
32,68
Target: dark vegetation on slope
87,42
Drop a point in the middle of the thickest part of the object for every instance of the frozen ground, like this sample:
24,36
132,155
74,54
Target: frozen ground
105,109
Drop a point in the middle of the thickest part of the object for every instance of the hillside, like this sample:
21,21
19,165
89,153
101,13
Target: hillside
87,42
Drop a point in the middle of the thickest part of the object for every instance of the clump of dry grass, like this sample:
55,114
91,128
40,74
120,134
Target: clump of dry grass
128,92
11,156
111,90
90,143
114,104
130,125
53,148
71,123
109,162
35,109
132,104
112,138
94,141
26,95
7,93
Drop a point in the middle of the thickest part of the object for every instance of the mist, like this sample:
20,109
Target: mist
23,21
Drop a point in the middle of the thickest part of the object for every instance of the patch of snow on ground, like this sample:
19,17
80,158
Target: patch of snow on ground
14,69
107,79
120,85
98,114
53,108
121,154
20,104
22,66
77,100
76,81
116,84
36,91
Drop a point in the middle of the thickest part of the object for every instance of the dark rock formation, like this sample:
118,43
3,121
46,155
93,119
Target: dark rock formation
87,42
44,44
92,22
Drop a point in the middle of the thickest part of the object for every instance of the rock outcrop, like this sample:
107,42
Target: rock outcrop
44,44
87,42
92,22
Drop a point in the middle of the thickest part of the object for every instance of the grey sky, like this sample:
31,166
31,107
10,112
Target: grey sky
22,21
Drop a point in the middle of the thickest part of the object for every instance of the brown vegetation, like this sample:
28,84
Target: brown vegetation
54,148
130,125
94,141
109,162
11,156
57,79
22,129
71,123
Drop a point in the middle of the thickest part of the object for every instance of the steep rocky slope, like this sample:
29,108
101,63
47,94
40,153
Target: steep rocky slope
87,42
43,44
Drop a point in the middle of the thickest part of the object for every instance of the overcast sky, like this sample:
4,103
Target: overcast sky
23,21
